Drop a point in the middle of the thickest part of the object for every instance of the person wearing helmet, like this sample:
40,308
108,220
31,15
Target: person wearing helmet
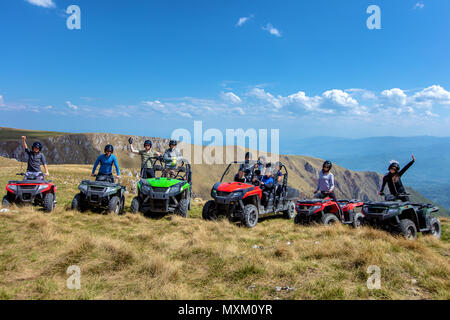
247,166
106,161
35,159
266,184
146,154
393,179
240,176
171,156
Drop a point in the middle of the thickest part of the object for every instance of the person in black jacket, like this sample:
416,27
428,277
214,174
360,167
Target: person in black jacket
393,180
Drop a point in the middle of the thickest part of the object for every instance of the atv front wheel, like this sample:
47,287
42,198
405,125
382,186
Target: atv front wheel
114,205
435,228
135,205
49,202
358,220
209,211
182,209
76,203
408,229
5,202
329,219
250,218
290,212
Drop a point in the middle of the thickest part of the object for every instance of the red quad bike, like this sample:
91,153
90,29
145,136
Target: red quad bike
31,191
326,211
246,202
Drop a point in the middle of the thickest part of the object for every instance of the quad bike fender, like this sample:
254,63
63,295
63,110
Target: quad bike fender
256,192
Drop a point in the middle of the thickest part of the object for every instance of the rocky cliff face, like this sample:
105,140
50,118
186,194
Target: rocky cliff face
84,149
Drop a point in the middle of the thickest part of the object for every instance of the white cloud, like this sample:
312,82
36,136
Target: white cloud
300,98
43,3
243,20
434,93
395,96
340,98
266,96
239,110
272,30
1,101
418,5
185,114
231,97
71,106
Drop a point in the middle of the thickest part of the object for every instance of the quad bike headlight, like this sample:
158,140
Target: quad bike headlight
175,188
315,208
83,187
110,189
392,211
43,187
12,188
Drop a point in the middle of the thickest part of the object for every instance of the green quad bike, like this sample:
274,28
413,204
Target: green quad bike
164,195
400,217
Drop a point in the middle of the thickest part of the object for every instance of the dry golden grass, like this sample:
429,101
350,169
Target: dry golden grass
134,257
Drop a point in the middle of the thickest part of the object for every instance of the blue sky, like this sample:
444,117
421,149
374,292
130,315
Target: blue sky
309,68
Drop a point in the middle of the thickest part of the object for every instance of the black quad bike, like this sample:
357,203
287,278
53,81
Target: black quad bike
164,195
400,217
246,201
101,195
31,190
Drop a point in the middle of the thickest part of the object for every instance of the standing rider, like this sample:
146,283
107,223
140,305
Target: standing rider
170,160
106,160
146,154
326,183
35,160
393,179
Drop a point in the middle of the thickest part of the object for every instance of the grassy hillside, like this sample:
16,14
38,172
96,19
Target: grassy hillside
134,257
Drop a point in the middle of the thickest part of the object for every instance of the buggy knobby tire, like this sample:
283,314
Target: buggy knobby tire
182,209
408,229
114,205
49,202
77,203
135,205
329,219
250,218
290,212
209,211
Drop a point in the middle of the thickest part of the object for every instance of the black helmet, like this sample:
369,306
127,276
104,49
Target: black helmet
109,147
248,155
395,165
148,142
327,164
130,140
172,143
38,145
280,164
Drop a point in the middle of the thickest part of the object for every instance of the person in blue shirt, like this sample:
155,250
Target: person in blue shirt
106,162
266,185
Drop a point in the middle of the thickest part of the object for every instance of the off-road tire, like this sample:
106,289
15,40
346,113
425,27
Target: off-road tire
358,220
114,205
329,219
435,228
5,202
209,211
182,209
250,218
298,219
408,229
77,203
290,212
49,202
135,205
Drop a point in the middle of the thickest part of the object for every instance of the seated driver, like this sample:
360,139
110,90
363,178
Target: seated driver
257,177
240,176
267,185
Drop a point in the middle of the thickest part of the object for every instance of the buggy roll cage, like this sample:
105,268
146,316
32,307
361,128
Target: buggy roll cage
184,167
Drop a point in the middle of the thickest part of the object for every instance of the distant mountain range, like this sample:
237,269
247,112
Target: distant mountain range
430,175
